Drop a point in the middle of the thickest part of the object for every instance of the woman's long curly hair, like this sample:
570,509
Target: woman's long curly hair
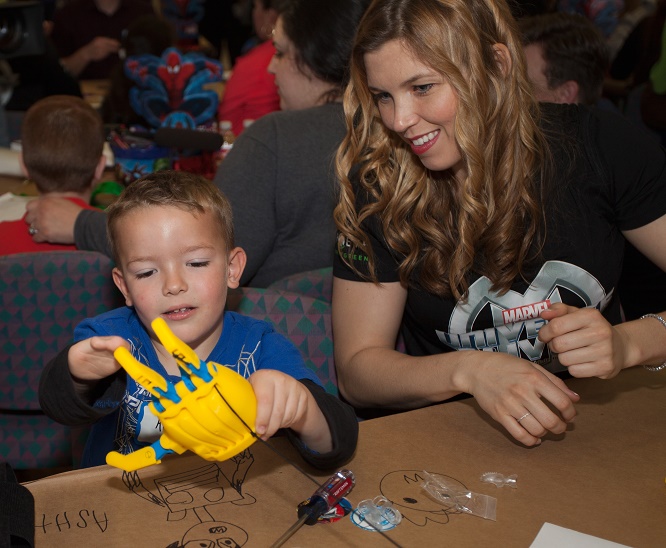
491,223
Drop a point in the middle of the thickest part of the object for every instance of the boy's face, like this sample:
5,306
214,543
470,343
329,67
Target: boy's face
174,264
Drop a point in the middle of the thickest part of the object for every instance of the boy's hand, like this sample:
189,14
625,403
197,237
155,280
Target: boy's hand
284,402
92,359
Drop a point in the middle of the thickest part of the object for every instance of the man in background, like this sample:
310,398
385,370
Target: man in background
87,34
566,56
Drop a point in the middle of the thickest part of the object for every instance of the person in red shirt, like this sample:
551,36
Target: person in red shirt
62,138
250,92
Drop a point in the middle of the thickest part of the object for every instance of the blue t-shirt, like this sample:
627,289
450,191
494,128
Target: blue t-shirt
246,345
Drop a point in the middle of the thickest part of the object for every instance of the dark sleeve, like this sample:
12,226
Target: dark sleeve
248,178
386,264
90,232
59,399
635,164
344,430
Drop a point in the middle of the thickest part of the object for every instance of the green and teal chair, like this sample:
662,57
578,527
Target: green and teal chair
303,319
43,296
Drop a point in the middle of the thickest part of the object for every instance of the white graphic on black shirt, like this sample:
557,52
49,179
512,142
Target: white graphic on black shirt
519,338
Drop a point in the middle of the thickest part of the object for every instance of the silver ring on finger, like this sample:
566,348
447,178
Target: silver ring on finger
32,230
524,416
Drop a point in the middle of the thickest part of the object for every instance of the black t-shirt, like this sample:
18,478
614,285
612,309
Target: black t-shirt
617,182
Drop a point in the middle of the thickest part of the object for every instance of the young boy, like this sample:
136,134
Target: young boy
62,138
173,243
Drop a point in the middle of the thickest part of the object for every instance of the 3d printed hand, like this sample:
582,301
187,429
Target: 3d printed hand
201,413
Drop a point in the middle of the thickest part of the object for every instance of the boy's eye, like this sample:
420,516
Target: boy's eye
197,264
144,274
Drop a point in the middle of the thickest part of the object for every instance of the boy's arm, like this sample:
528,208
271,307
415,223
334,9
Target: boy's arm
73,403
343,426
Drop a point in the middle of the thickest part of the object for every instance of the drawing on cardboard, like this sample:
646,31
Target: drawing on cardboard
403,489
215,533
196,489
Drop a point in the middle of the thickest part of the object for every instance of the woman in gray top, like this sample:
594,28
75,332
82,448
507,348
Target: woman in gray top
279,174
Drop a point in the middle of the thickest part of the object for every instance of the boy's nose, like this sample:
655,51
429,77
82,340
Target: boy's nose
174,284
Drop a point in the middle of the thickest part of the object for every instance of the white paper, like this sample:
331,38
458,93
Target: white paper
9,162
12,207
554,536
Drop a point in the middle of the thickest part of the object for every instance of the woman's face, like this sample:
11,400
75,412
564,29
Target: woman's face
417,103
296,89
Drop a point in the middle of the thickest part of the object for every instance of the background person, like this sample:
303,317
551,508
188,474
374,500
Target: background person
567,62
279,175
471,217
250,91
66,168
87,34
567,58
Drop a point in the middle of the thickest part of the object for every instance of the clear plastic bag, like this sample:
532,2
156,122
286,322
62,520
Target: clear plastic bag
476,504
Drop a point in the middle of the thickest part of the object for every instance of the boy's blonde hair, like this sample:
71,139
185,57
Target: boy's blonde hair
62,138
179,189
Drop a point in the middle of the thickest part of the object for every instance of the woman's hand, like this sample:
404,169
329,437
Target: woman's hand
585,342
524,398
53,219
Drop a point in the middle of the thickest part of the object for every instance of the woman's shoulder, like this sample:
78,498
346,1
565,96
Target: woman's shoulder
306,117
311,124
589,123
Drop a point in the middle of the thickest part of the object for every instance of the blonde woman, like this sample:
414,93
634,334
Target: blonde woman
472,218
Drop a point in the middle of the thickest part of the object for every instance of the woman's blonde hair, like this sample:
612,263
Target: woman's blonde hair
441,228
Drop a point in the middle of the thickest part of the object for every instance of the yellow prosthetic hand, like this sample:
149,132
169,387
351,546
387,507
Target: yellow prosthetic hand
211,411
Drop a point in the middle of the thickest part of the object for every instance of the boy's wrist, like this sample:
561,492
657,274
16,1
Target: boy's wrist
312,429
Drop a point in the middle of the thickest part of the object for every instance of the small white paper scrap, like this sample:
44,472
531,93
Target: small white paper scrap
553,536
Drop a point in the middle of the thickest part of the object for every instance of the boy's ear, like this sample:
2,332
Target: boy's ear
24,169
119,280
99,170
503,58
237,261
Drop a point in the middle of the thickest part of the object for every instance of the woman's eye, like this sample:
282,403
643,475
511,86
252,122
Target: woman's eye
423,88
381,97
198,264
278,54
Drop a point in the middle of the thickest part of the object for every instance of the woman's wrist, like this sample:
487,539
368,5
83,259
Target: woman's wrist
661,320
643,341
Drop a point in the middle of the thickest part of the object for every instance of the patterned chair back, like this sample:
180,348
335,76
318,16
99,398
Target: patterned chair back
304,320
313,283
43,297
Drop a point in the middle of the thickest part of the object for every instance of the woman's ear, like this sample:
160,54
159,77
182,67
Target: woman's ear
237,260
503,58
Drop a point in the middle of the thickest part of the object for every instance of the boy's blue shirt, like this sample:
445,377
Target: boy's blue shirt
245,345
